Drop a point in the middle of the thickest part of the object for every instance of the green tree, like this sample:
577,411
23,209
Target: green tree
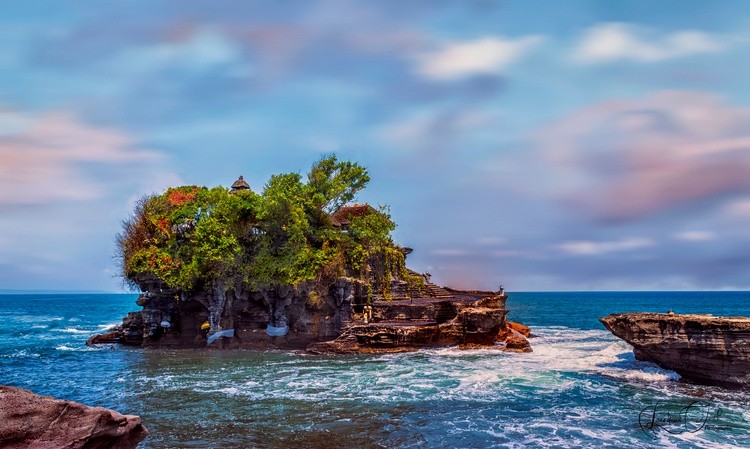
194,237
333,183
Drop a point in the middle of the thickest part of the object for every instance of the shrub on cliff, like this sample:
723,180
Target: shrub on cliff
195,237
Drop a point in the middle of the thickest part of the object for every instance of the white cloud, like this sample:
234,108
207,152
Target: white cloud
486,56
591,248
54,156
695,236
618,41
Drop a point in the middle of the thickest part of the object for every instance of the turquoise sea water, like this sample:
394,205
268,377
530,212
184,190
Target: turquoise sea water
581,387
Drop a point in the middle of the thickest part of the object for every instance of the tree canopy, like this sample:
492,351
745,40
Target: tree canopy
192,236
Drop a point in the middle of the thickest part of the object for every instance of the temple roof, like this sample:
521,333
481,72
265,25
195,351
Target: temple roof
342,217
240,184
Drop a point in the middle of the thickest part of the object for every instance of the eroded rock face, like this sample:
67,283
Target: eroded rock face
302,317
29,421
172,318
701,348
469,321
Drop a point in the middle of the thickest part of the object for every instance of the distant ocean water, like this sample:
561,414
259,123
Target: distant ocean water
581,387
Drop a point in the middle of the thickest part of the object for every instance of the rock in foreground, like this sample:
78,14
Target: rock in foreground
701,348
29,421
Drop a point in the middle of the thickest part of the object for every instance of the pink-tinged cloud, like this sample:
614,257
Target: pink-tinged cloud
624,160
740,208
52,157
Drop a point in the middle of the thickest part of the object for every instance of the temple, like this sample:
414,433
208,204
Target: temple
240,184
342,218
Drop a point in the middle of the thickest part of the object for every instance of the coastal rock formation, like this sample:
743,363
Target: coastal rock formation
464,319
29,421
334,323
701,348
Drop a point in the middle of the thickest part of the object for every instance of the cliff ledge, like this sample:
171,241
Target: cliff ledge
704,349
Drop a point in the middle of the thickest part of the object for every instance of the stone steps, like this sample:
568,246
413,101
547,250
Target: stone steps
434,291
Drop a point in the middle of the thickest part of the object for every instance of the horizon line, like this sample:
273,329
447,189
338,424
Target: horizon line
105,292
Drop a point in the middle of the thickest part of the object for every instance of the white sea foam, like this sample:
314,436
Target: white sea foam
229,391
64,347
73,330
699,440
35,318
106,327
21,354
570,350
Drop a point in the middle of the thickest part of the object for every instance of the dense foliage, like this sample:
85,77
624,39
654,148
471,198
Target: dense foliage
190,237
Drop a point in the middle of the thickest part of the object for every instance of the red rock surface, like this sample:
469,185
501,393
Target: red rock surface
517,343
520,328
29,421
513,337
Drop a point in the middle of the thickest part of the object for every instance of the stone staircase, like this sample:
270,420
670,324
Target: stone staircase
401,290
430,321
435,291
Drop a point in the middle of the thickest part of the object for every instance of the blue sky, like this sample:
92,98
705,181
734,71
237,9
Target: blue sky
589,145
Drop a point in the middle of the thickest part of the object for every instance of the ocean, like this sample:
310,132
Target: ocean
581,387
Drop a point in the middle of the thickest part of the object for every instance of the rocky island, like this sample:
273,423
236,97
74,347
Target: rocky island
297,266
701,348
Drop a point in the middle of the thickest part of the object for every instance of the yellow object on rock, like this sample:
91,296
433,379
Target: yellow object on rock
205,326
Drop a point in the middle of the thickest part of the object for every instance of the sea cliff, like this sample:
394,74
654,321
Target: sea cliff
701,348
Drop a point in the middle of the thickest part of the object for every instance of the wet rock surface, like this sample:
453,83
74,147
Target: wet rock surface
29,421
703,349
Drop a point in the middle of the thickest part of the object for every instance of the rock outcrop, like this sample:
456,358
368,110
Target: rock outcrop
29,421
703,349
341,320
469,320
514,337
